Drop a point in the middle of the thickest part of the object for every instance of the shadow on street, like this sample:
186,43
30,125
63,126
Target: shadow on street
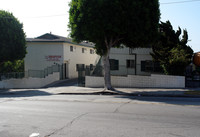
23,93
166,100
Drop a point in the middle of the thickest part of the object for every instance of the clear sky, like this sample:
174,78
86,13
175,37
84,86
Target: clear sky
44,16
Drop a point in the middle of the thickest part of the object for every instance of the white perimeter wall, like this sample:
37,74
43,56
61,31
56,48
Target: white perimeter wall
29,82
154,81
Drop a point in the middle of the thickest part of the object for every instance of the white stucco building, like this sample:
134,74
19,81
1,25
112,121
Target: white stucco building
127,61
48,49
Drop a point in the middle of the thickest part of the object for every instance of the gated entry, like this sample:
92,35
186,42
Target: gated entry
83,70
81,74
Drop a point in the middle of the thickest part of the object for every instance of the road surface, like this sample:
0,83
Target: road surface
98,116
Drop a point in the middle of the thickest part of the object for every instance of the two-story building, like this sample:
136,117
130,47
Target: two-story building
48,49
126,61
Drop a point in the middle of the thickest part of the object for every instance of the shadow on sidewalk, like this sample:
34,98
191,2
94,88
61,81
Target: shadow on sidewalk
23,93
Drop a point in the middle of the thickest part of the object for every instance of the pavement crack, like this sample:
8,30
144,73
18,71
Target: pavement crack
117,109
176,135
67,125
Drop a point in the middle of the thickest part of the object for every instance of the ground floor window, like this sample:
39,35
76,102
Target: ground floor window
114,64
150,66
91,51
130,63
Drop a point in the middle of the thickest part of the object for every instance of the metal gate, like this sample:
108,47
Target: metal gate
81,74
83,70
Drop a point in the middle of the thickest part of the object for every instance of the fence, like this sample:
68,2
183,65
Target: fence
43,73
115,70
31,73
122,70
17,75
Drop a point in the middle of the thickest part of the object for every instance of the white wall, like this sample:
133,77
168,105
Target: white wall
123,54
153,81
29,82
38,51
77,57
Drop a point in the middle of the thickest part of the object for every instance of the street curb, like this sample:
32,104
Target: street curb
131,94
109,93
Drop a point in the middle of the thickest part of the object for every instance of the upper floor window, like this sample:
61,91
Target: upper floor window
91,51
83,50
71,48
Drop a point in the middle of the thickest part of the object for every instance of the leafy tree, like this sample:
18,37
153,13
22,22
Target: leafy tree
12,38
172,51
15,66
110,23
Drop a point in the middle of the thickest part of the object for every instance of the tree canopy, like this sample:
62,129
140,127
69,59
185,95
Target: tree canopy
110,23
15,66
12,38
172,51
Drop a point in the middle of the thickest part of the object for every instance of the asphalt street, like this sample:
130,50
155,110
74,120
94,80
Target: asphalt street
98,116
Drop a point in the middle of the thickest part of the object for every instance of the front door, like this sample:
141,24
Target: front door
65,70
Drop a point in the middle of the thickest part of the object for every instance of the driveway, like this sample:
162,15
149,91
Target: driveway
64,83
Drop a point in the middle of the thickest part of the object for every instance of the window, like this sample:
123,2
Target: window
83,50
91,51
150,66
143,65
71,48
114,64
147,65
130,63
80,67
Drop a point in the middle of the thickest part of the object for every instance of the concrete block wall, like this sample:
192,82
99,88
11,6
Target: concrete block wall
153,81
29,82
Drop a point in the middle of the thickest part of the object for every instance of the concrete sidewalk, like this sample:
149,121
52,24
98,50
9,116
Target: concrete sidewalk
126,91
75,90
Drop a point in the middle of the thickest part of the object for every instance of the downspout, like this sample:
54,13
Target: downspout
135,64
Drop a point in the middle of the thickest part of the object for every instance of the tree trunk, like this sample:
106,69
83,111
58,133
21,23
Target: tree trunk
107,77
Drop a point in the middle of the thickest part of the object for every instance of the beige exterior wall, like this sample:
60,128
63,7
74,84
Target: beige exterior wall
38,52
77,57
39,56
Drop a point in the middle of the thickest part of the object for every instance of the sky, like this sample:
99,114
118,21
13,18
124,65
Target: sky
45,16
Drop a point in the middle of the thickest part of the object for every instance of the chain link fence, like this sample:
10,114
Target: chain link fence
31,73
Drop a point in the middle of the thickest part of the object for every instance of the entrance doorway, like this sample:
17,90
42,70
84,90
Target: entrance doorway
65,70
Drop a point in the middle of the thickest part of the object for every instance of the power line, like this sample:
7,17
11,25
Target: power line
178,2
162,3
